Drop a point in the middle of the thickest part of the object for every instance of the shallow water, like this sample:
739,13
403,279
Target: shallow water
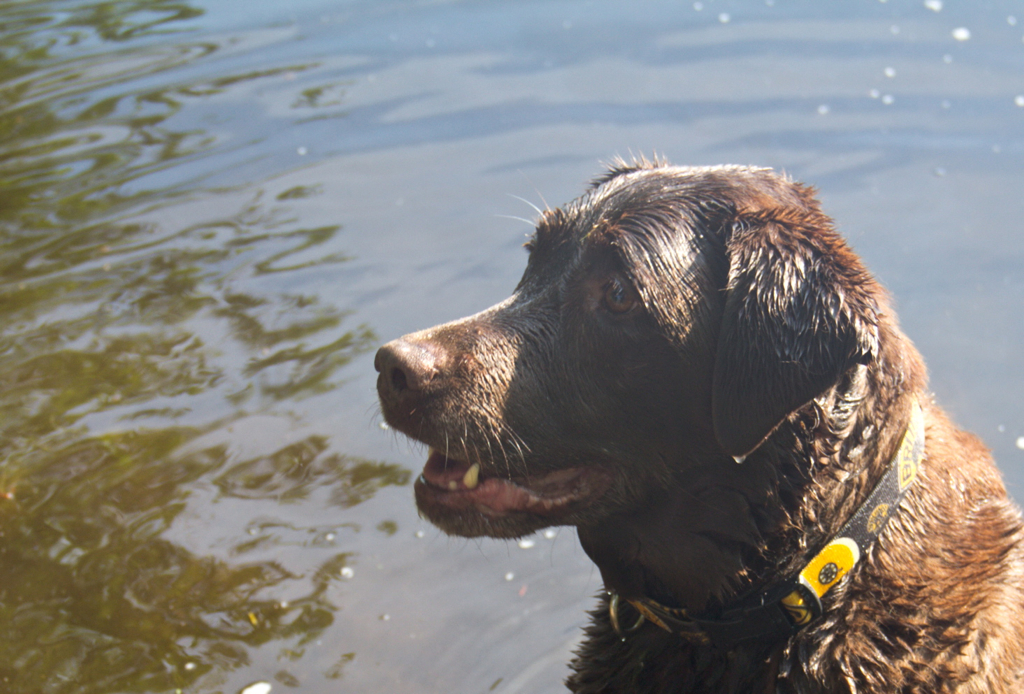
210,218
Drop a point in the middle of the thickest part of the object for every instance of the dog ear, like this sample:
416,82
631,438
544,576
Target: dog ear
799,311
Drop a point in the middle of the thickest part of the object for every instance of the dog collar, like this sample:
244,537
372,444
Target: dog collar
781,611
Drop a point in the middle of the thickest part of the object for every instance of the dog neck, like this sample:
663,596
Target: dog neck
772,615
724,530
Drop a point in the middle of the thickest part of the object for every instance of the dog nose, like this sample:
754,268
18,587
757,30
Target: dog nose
405,367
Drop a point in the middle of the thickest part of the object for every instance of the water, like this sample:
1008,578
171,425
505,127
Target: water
210,217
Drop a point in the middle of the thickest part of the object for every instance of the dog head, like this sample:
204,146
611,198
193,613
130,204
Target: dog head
668,318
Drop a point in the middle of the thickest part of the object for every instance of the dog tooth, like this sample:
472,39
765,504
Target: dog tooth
472,476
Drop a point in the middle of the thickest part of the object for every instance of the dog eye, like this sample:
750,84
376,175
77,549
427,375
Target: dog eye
619,296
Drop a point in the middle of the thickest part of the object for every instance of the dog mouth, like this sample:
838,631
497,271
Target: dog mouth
457,485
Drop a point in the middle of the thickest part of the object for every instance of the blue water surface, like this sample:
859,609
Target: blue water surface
213,212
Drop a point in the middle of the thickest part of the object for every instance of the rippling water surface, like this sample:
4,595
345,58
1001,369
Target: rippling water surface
211,214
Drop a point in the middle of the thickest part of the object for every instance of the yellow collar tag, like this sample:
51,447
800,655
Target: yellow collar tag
839,556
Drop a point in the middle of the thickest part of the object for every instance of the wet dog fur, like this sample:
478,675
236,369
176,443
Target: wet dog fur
670,321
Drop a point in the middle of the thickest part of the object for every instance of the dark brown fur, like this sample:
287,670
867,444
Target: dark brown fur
668,321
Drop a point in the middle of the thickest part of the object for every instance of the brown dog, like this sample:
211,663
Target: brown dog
671,323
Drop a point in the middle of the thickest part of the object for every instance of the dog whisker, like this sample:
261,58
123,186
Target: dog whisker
530,222
535,208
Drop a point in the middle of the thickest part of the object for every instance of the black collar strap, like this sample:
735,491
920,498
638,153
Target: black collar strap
779,612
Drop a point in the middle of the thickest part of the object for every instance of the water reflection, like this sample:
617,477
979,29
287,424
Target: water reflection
291,473
141,316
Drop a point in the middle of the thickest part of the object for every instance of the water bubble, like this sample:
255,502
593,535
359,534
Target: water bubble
890,72
724,18
1020,442
302,151
698,6
961,33
823,110
347,572
888,99
894,29
933,5
257,688
190,666
420,533
1019,100
1011,20
1001,428
939,171
509,576
947,59
384,426
874,93
550,534
526,543
385,617
329,537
